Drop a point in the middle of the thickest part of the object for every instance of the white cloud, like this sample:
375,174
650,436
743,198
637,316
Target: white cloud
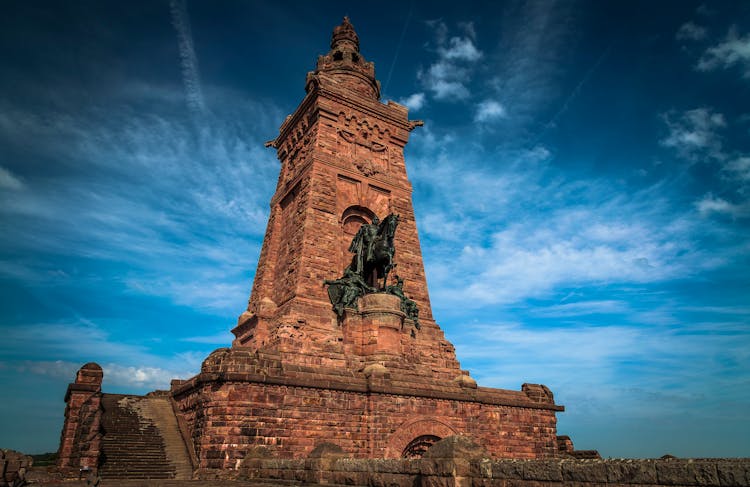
739,168
114,374
460,48
691,32
734,50
414,102
449,90
9,181
207,291
71,344
711,204
139,376
489,110
445,81
508,227
447,78
694,134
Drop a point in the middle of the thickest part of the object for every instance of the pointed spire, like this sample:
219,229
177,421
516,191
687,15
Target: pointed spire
344,37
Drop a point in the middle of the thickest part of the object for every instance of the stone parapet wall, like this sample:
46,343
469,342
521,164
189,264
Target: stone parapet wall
436,472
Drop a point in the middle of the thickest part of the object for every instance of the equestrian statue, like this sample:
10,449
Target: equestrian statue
368,271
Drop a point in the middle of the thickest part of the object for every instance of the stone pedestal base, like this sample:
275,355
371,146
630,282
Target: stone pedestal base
376,328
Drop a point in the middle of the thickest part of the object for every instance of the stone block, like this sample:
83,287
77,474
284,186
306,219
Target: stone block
631,472
542,470
733,473
584,471
507,469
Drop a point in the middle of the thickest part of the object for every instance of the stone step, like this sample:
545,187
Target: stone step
134,444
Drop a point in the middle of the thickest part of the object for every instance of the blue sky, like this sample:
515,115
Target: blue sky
581,184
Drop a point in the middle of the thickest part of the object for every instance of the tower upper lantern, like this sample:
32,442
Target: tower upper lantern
345,65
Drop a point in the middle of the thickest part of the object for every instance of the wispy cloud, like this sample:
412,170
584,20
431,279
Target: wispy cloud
169,199
711,204
694,134
115,375
616,370
520,230
8,181
489,110
738,169
188,59
734,50
414,101
447,79
534,40
460,49
74,343
697,136
690,31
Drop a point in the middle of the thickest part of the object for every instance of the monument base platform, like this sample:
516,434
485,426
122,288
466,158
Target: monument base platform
244,398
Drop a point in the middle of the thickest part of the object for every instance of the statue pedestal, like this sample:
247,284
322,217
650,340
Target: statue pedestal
376,327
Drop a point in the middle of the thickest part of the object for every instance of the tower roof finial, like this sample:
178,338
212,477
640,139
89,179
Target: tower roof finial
344,36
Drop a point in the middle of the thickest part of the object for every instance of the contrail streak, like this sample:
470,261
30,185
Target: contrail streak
573,95
188,60
398,47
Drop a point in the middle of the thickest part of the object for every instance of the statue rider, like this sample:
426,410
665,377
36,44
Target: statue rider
361,245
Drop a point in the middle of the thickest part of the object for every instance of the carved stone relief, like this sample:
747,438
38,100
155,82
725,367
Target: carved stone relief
363,144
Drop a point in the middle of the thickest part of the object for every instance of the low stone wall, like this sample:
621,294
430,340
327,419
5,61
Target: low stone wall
503,473
456,462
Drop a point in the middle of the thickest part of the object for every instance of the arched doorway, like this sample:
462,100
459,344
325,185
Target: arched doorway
419,445
415,436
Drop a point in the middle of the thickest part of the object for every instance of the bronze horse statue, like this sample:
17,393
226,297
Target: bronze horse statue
373,250
382,250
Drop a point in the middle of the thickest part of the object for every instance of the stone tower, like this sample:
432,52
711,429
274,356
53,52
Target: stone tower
342,164
367,379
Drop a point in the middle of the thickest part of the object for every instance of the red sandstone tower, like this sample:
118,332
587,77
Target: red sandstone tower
342,164
369,381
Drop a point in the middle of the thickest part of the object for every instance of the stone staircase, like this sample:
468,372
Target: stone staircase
141,439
